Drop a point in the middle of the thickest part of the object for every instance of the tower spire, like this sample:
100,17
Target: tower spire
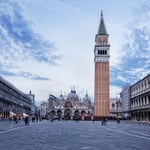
102,28
101,13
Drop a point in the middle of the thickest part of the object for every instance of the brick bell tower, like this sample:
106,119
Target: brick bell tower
101,60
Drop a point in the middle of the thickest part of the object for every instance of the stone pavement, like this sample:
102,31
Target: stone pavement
71,135
6,124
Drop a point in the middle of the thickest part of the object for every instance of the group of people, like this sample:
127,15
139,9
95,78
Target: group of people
16,119
26,119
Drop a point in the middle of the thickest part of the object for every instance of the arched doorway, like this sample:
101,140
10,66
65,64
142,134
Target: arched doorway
59,113
76,113
83,113
52,113
67,113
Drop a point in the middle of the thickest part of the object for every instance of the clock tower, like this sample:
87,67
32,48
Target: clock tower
101,60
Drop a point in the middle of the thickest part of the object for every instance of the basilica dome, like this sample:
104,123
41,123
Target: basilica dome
73,95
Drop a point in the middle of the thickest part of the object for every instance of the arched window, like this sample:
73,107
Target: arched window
113,105
68,104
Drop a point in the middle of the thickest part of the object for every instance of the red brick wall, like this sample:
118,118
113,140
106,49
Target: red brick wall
101,89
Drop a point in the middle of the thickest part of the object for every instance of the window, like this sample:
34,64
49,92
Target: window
99,52
102,52
113,105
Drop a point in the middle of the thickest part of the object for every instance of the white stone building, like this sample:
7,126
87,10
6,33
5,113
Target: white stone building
43,109
140,100
125,98
115,108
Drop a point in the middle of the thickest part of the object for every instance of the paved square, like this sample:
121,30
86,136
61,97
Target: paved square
71,135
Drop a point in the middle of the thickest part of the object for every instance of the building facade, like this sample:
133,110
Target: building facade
140,100
101,84
125,99
12,100
43,109
115,108
70,106
33,106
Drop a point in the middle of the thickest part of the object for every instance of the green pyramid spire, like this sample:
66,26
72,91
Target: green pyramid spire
102,28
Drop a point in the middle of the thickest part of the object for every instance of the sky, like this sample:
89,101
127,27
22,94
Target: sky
47,46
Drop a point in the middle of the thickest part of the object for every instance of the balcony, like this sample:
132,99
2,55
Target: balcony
140,107
137,93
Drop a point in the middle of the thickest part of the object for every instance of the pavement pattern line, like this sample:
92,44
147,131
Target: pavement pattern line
23,126
86,147
13,129
135,135
140,134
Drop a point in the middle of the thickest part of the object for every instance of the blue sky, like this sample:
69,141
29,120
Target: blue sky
47,45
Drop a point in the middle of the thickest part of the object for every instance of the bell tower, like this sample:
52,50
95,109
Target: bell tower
101,82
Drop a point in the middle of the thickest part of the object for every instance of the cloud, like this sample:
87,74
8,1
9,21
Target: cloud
7,73
23,74
115,91
31,76
19,43
135,62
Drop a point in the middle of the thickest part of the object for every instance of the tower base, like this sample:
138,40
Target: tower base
100,117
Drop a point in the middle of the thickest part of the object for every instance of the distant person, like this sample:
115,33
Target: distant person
104,122
26,120
33,119
15,120
118,120
37,118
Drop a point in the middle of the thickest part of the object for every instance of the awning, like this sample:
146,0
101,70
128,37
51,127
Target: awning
25,115
11,114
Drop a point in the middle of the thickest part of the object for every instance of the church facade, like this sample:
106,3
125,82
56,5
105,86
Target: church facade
70,106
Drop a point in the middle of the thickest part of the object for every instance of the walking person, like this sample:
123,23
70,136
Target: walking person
92,119
26,120
37,118
15,120
104,122
118,120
